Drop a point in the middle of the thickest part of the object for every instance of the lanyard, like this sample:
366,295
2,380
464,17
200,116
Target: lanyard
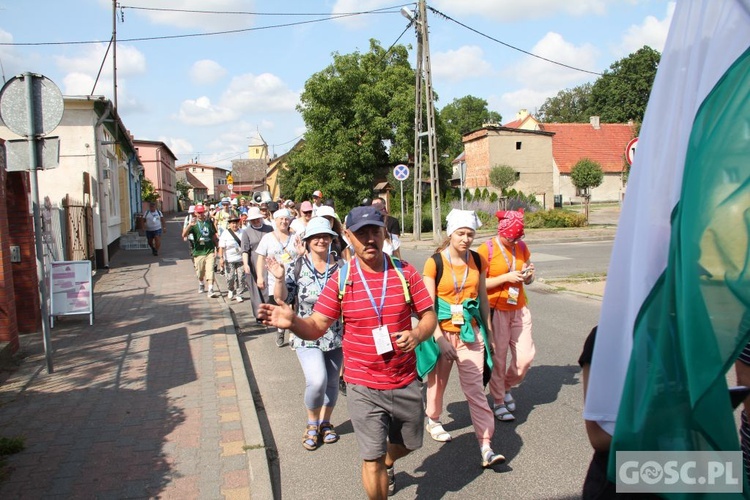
511,267
378,310
456,289
203,228
320,283
283,247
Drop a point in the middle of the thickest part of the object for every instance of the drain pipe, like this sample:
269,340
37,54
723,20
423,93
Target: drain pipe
103,205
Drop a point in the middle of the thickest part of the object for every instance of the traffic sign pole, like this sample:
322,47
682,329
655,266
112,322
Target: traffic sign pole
401,173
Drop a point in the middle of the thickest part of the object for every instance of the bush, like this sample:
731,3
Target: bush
477,194
485,194
493,197
554,218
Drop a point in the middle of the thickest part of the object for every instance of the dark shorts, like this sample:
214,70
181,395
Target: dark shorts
380,416
151,234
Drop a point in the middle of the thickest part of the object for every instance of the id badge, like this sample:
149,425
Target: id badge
513,293
286,258
382,340
457,314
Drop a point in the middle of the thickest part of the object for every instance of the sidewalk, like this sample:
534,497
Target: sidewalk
152,401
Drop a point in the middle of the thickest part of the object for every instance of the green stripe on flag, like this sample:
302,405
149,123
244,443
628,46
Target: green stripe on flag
696,321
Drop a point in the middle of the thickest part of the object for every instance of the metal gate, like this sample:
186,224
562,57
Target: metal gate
80,230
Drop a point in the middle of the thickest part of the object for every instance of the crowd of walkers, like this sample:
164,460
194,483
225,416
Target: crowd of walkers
365,323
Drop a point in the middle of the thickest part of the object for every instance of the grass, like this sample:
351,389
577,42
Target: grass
9,446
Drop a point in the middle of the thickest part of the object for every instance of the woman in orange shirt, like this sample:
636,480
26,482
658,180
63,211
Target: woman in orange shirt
462,332
509,269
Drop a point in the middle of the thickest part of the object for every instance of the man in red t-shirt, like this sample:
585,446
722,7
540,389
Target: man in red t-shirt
383,397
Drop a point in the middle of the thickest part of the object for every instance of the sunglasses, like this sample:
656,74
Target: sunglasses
308,213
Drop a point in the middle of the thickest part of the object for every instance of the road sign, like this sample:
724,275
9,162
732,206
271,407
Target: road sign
230,180
630,151
48,105
401,172
230,187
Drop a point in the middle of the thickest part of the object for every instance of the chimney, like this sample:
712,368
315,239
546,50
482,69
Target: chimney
594,120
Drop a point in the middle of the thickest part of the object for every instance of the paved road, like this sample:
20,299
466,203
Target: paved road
546,446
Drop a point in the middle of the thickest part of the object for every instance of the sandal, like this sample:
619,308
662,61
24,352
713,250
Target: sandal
509,402
503,414
329,433
437,432
310,439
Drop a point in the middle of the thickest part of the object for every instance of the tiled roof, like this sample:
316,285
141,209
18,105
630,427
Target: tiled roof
249,170
514,124
575,141
186,166
193,181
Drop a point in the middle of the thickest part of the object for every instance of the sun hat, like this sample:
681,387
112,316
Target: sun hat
318,225
226,200
324,211
199,209
254,213
364,216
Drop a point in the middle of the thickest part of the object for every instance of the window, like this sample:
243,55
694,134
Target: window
518,145
113,187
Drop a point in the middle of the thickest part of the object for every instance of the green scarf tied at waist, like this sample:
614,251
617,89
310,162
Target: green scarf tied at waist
428,351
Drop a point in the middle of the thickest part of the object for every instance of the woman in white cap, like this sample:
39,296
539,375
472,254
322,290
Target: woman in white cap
320,359
282,246
455,277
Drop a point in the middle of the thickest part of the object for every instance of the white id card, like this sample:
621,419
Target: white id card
382,340
286,258
457,314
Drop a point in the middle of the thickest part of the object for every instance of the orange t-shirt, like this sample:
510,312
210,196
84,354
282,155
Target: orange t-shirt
502,260
446,289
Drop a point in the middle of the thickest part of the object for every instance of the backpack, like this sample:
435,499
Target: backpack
439,268
297,270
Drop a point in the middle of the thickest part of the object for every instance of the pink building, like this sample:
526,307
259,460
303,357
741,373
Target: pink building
159,167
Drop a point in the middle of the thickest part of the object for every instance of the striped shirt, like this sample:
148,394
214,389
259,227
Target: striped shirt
362,364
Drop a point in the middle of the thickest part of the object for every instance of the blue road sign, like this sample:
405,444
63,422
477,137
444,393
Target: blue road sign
401,172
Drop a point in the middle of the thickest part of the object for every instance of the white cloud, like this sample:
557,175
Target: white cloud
652,32
358,22
179,146
207,72
201,112
462,64
130,61
193,20
510,103
540,74
261,93
506,11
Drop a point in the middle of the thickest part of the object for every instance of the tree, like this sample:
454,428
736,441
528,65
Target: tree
503,177
568,106
463,115
622,92
585,175
359,113
148,193
183,188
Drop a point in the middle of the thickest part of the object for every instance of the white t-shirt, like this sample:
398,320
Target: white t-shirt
232,250
298,227
284,251
153,220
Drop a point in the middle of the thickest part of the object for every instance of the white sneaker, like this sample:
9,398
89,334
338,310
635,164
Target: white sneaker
239,298
213,293
490,458
230,294
201,288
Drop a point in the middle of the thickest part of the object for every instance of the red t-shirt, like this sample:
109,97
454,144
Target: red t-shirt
362,364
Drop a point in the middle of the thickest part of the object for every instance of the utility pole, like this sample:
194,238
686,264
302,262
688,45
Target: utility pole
424,84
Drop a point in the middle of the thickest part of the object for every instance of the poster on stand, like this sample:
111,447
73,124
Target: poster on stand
71,290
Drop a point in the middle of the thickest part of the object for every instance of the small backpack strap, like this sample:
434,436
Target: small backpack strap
438,269
490,248
398,267
477,260
343,277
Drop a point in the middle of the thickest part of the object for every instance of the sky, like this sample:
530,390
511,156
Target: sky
206,84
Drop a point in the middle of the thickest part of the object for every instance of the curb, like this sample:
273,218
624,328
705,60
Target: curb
260,476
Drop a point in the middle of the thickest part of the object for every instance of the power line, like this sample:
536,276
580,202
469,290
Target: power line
239,12
445,16
194,35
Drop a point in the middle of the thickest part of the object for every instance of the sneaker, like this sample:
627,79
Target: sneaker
230,294
437,433
391,480
239,298
490,458
503,414
510,403
213,293
342,386
153,251
279,338
201,288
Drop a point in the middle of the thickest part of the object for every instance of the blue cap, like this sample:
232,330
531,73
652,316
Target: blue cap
364,216
318,225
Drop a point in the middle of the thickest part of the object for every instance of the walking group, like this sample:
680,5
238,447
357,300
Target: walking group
353,306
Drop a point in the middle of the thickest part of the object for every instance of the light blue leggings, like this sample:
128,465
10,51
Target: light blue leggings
321,369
